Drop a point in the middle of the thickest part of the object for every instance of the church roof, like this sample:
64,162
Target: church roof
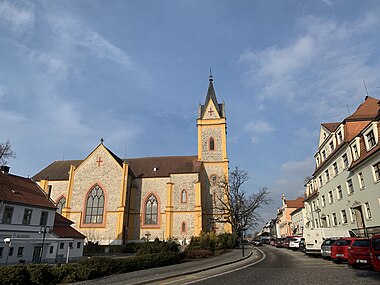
58,170
17,189
212,96
161,166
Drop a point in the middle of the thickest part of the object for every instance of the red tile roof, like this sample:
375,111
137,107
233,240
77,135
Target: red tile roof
297,203
22,190
63,229
369,109
331,126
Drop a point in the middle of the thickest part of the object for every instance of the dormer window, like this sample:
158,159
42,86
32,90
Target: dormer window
355,152
371,139
340,137
371,136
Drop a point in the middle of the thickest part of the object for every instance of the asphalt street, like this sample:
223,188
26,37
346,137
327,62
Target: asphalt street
282,266
265,265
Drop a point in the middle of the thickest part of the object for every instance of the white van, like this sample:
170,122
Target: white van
315,237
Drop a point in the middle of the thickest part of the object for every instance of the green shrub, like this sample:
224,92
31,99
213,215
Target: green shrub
212,242
91,249
15,275
83,270
228,241
158,246
42,274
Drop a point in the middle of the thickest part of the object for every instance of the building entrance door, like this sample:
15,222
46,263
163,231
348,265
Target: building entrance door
36,254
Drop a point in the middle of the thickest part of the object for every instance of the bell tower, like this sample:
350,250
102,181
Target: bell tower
212,151
212,128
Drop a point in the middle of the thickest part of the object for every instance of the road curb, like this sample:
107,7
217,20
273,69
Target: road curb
194,271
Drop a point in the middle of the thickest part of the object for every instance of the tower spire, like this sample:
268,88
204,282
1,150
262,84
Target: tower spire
210,76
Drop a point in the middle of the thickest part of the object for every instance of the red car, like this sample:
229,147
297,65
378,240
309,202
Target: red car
375,252
339,249
359,253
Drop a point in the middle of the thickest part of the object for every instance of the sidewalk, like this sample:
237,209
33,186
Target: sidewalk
161,273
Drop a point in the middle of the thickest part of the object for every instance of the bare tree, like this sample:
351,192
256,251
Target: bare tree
239,208
6,152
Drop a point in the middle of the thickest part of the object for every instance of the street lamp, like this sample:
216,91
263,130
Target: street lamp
7,241
43,230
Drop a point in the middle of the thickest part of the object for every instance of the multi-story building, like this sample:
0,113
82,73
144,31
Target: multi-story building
30,228
284,220
297,217
344,190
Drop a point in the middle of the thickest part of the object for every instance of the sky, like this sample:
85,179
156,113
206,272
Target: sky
134,72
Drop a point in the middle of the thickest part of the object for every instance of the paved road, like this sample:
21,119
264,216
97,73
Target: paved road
282,266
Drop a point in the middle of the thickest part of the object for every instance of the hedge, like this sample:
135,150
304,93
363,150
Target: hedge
84,270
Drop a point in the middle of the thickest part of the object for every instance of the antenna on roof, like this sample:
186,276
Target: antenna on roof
366,90
348,110
63,155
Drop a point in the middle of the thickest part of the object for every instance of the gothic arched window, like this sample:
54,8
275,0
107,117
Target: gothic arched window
95,206
183,196
151,210
61,204
211,144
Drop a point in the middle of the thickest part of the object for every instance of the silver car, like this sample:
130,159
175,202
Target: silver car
326,247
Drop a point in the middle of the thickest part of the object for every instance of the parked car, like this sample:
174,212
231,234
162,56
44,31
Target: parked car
359,253
257,242
302,245
279,242
286,242
375,252
339,249
326,247
294,243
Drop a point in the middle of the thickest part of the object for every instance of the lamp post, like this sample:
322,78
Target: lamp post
43,230
7,241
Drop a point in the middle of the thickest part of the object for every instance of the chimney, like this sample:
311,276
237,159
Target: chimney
4,169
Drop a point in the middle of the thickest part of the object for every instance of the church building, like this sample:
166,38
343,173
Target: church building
115,200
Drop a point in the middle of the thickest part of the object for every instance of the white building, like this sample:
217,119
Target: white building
298,216
30,228
344,188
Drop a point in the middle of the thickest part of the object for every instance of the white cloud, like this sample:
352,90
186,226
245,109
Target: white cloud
327,2
256,128
73,32
17,18
11,116
291,178
324,64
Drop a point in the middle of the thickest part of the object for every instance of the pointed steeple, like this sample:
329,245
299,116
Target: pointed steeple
212,97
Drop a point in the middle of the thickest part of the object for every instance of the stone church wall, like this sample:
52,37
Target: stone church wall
108,175
214,132
58,189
